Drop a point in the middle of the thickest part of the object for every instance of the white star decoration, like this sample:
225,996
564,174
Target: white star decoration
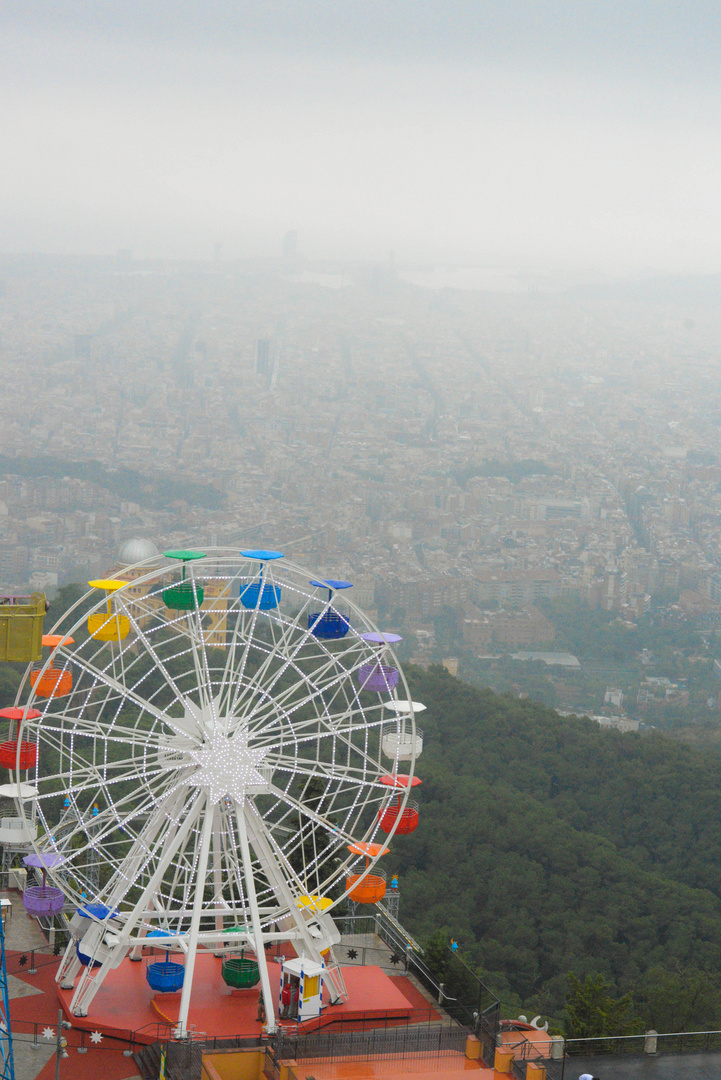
96,1037
227,766
48,1033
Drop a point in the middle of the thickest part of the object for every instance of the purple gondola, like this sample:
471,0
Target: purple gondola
43,900
376,675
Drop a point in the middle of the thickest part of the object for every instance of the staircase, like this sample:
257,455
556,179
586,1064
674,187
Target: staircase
399,931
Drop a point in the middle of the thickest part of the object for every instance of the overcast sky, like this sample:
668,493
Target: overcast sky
519,132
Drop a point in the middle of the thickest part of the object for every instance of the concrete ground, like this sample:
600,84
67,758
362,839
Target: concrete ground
644,1067
35,1060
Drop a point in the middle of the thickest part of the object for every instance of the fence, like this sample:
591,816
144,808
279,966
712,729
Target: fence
36,1035
679,1042
457,988
432,1040
27,963
591,1054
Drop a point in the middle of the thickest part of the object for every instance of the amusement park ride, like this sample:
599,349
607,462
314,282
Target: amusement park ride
206,762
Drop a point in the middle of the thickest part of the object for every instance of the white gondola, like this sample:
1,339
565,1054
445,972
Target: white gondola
403,742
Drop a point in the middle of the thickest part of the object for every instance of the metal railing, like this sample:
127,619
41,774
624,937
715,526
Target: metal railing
676,1042
28,962
459,991
432,1040
385,927
567,1055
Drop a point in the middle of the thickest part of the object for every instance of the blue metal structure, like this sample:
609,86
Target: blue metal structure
7,1067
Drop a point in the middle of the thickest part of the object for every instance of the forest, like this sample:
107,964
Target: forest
550,849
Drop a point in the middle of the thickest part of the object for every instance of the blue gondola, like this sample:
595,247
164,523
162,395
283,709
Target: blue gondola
97,911
257,595
84,959
164,976
329,625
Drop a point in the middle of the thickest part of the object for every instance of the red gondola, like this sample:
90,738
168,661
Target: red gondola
407,818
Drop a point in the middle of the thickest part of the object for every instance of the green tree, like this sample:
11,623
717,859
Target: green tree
592,1012
680,1000
435,953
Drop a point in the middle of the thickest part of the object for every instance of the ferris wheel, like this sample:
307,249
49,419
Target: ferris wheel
219,752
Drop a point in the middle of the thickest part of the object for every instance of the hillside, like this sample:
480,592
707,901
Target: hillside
547,845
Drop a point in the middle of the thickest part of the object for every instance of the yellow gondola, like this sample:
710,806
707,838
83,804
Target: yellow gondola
108,625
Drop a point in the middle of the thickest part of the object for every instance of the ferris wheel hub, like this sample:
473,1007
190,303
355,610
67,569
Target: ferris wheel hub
227,766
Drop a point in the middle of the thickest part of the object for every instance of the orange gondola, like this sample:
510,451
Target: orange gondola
52,682
369,891
373,886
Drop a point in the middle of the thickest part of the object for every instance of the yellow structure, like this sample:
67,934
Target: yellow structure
502,1060
215,612
141,606
21,627
473,1048
314,902
234,1065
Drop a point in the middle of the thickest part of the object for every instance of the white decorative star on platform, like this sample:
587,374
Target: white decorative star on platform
96,1037
48,1033
227,766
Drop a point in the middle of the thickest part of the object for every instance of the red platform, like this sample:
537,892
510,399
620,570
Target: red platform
125,1003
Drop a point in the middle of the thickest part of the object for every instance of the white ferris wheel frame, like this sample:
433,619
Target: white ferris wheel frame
288,707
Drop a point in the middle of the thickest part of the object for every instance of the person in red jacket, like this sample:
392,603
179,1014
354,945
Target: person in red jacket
285,998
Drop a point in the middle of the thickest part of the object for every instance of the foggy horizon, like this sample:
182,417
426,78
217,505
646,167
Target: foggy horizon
554,137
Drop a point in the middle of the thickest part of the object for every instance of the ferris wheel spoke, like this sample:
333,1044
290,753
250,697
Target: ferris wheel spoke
158,850
228,678
81,770
316,692
289,627
129,695
330,664
204,681
286,883
317,728
245,628
341,737
101,829
309,813
159,664
84,727
102,680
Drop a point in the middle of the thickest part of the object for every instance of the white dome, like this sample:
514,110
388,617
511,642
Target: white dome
137,550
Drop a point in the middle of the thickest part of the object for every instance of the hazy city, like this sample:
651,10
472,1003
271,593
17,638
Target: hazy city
427,298
453,452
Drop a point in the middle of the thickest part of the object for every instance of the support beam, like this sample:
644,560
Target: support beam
255,921
181,1031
